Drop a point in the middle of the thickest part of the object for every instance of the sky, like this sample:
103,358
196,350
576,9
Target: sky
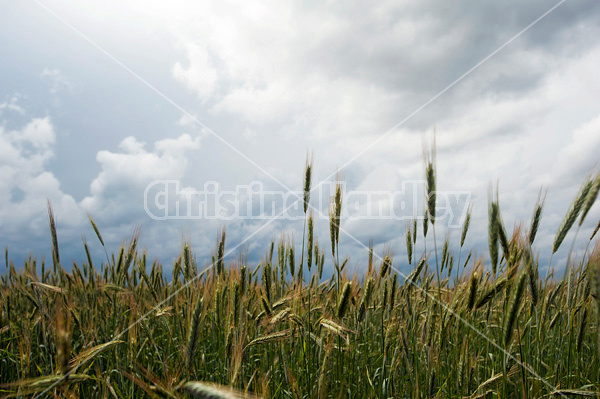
101,99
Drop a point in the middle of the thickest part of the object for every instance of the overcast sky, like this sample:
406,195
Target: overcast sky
100,98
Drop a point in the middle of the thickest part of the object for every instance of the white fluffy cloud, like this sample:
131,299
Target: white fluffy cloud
12,105
25,182
116,194
582,152
200,76
117,191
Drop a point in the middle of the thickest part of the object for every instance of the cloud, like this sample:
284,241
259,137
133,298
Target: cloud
25,152
57,80
39,133
575,159
351,70
117,192
200,76
12,105
24,157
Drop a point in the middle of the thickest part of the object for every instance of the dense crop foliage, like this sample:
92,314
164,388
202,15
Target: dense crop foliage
491,327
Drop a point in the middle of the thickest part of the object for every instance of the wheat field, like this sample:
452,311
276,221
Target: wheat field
457,325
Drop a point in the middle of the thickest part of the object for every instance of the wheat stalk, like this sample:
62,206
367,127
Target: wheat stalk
194,332
493,233
513,308
472,290
571,215
344,300
366,299
309,245
590,198
204,390
55,253
537,216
